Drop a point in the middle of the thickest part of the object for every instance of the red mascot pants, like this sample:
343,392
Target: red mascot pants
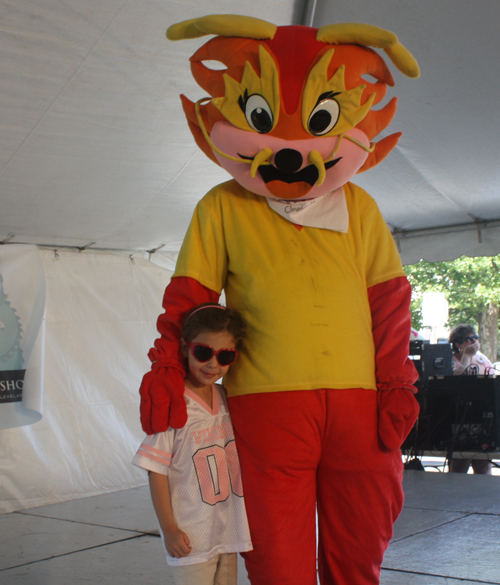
313,449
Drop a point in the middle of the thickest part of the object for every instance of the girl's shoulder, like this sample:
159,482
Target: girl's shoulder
161,441
482,359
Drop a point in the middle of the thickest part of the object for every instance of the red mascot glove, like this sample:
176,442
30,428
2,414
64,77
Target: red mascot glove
162,389
397,407
397,413
162,399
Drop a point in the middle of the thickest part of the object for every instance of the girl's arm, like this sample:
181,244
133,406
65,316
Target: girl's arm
460,365
176,541
464,358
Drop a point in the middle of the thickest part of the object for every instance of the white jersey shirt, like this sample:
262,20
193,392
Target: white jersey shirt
204,476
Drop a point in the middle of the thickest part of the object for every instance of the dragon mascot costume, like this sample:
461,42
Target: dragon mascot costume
322,396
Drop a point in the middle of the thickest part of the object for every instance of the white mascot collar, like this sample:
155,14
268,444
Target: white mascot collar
327,212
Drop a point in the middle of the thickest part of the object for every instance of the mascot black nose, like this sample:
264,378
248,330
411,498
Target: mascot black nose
288,160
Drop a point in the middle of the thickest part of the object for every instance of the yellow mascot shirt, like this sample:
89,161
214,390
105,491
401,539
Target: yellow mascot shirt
303,293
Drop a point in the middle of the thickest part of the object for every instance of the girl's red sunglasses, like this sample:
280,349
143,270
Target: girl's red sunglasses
204,353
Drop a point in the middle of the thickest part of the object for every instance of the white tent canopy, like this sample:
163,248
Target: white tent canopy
440,188
95,155
95,150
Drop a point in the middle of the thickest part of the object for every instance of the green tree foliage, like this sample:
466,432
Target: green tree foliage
469,284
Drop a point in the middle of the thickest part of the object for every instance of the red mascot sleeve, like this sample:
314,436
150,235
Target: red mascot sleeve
162,389
395,372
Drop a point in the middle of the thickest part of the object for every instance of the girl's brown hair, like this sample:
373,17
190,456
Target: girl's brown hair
459,334
214,318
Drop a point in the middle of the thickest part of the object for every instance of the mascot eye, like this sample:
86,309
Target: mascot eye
258,114
324,117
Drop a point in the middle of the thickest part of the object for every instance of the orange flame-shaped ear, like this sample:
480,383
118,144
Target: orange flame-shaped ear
228,51
372,36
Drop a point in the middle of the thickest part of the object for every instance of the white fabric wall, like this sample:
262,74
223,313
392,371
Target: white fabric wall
101,320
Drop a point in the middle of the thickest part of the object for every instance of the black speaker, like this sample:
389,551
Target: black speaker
431,359
457,413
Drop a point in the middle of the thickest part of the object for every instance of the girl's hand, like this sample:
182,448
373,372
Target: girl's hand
177,543
471,349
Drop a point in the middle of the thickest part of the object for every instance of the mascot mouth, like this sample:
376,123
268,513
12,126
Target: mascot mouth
307,175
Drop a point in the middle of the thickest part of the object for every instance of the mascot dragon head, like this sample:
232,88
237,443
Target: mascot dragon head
291,115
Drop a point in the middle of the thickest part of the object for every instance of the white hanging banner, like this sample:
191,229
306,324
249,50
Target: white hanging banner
22,335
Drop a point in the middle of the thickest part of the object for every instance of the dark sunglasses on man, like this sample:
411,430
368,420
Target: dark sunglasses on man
471,338
204,353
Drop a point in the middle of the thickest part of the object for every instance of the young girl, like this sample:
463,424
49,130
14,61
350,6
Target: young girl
194,472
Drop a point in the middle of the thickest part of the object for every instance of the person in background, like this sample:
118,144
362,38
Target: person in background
467,359
194,472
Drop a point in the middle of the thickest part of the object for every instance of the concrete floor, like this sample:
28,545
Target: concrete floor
448,534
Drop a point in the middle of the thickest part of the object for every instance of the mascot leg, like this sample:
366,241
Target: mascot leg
279,446
299,448
360,492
